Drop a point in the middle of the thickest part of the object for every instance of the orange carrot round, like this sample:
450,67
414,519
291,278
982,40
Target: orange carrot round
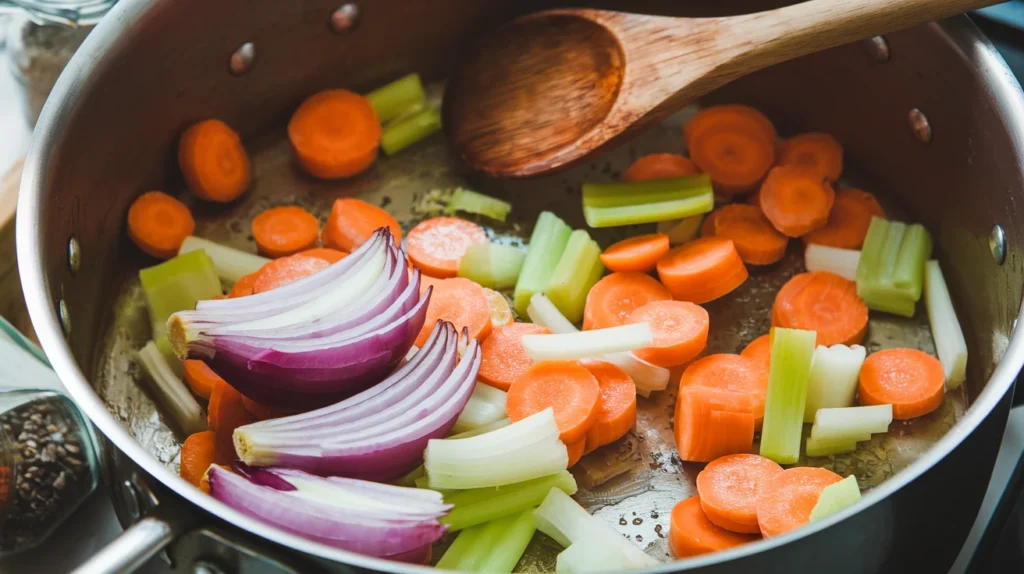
285,230
285,270
787,499
690,533
823,302
912,381
224,413
733,373
463,303
437,245
679,329
200,377
757,242
728,489
760,350
712,422
326,253
616,408
660,166
848,222
615,296
501,313
353,221
213,162
503,358
734,145
159,224
817,151
243,287
197,454
702,270
639,253
796,200
334,134
576,450
564,386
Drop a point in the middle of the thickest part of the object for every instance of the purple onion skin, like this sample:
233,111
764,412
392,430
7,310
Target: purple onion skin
262,477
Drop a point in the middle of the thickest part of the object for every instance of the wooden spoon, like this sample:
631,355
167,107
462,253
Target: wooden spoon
549,88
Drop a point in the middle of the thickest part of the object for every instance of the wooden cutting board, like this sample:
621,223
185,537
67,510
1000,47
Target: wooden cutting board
12,303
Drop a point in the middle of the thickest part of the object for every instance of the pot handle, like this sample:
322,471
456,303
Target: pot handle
139,542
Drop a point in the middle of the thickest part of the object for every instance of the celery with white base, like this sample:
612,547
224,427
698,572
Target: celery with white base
547,243
949,338
491,265
176,285
544,313
680,231
851,422
829,446
486,406
583,558
789,373
842,262
836,497
833,380
231,264
583,344
170,391
481,505
577,271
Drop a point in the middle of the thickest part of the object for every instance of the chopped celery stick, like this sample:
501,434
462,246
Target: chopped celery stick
836,497
915,250
890,274
176,364
481,505
460,548
490,535
949,338
829,447
171,393
842,262
833,380
628,203
584,344
400,135
681,231
231,264
469,201
491,265
547,242
486,406
176,284
392,100
582,558
482,429
851,422
544,313
789,373
577,271
509,548
410,479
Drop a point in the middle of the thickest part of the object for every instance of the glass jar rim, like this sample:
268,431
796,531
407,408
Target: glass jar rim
70,13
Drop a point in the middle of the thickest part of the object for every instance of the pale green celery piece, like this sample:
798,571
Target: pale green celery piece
460,548
176,284
491,265
491,534
469,201
830,446
836,497
791,353
871,252
509,548
400,135
577,271
410,479
628,203
915,251
890,275
481,430
393,100
176,364
547,242
480,505
424,483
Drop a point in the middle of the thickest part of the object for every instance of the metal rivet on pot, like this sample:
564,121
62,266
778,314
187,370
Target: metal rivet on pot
878,48
206,567
242,58
65,317
997,244
130,497
919,125
345,18
74,255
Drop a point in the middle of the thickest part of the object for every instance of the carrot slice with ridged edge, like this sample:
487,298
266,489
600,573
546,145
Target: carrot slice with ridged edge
728,488
660,166
200,377
352,221
756,240
760,350
437,245
285,270
224,414
912,381
787,499
690,533
213,162
639,253
733,144
702,270
197,454
334,134
503,358
848,222
566,387
159,224
711,422
733,373
285,230
823,302
815,150
616,409
611,300
460,302
679,330
796,200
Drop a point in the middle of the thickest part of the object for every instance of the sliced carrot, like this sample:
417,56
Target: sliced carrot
159,224
639,253
575,451
616,407
285,270
564,386
503,358
760,350
796,200
816,150
261,412
353,221
660,166
679,329
823,302
501,313
848,221
702,270
334,134
690,533
787,499
326,253
243,287
197,454
213,162
426,281
757,242
612,299
728,489
755,197
707,227
733,373
225,413
200,377
285,230
912,381
463,303
436,245
711,422
734,145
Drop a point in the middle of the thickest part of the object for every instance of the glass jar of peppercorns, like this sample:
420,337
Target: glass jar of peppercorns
48,465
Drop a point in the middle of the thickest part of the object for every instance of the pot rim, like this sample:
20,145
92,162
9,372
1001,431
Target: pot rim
81,75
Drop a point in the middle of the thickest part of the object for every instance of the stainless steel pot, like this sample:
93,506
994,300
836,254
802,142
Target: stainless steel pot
931,116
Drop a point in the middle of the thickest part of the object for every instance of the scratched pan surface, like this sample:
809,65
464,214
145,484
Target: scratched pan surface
631,484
